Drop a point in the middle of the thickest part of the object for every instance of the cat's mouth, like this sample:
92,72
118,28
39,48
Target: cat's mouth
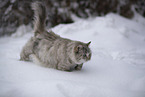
82,61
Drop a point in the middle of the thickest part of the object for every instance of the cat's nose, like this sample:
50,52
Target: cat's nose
87,55
84,55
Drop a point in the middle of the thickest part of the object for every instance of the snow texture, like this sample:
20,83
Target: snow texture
117,67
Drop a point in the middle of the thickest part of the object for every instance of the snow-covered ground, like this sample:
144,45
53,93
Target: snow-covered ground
117,67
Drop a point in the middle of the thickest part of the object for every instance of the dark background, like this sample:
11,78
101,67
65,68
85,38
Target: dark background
14,13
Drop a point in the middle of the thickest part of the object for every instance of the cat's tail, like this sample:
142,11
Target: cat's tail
39,17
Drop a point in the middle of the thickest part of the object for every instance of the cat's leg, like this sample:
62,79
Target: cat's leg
27,50
64,68
79,66
24,56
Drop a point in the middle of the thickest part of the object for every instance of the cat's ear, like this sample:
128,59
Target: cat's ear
88,43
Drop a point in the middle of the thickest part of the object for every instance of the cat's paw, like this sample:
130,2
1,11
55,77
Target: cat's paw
79,67
64,68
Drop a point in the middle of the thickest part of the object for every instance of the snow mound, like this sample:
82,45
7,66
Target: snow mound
117,67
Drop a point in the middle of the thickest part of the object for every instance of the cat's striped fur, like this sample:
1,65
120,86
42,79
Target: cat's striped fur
50,49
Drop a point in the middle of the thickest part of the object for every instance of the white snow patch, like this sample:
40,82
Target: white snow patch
8,9
12,1
117,67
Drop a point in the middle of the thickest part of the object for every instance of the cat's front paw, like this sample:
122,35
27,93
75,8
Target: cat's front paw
64,68
79,67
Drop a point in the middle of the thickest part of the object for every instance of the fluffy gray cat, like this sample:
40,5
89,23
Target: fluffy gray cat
50,49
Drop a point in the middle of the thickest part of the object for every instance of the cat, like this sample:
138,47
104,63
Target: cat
50,49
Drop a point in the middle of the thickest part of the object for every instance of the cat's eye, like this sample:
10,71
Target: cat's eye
83,48
77,49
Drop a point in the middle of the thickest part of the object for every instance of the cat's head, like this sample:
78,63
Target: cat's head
82,52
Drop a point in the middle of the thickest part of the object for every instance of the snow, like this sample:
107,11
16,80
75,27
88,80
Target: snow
8,9
117,67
